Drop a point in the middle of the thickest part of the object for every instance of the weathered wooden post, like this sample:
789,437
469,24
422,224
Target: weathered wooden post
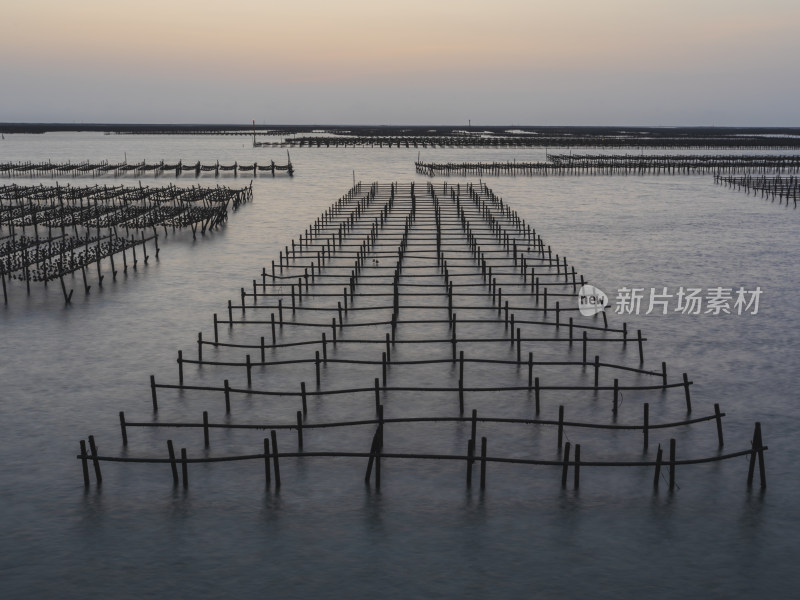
180,367
470,459
123,428
596,371
153,392
672,463
584,347
172,464
483,463
687,394
275,465
757,452
266,461
299,431
641,349
84,464
565,465
657,475
184,468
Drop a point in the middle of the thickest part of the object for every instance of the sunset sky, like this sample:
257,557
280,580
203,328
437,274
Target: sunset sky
574,62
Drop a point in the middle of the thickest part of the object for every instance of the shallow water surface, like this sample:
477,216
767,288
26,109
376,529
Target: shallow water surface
68,371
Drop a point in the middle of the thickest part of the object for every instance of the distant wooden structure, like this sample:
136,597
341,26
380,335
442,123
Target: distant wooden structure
141,169
620,164
777,187
48,232
500,141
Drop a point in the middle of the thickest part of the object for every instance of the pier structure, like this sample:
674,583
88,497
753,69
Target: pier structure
407,306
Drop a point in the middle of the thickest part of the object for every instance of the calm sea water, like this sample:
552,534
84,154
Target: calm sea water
67,372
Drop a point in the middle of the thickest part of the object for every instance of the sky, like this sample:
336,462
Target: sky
415,62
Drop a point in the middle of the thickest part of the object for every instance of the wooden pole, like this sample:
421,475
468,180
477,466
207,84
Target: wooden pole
584,347
123,428
760,445
596,371
470,459
483,463
227,388
95,460
672,463
474,428
300,431
641,349
757,453
171,451
184,468
266,461
275,465
565,465
530,370
657,475
84,464
688,395
153,392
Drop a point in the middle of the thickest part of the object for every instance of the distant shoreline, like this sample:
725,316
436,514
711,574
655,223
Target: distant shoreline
415,136
393,130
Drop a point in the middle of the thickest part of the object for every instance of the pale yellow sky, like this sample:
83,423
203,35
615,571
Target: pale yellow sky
312,42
